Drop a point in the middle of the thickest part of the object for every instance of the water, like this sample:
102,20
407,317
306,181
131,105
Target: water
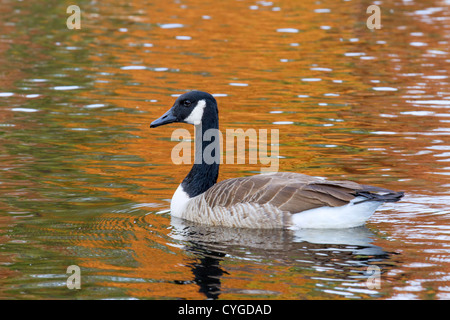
84,181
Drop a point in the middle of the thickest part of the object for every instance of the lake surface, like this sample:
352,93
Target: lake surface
84,181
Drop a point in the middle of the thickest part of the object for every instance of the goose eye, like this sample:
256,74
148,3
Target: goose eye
187,103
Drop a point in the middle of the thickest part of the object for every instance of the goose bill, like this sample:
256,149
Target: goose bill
166,118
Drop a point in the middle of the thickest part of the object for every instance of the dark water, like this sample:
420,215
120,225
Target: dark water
84,181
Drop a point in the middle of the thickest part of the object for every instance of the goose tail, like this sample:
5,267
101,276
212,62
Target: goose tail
390,196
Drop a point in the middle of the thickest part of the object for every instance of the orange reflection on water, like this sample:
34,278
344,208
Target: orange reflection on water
312,74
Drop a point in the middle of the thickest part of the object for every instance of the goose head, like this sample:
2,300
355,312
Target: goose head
194,107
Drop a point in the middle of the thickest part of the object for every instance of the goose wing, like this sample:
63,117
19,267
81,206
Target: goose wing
293,192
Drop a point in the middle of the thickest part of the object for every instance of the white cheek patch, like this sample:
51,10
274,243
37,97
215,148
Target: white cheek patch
196,115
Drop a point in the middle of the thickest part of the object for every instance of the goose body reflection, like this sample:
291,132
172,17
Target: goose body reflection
346,252
265,201
269,239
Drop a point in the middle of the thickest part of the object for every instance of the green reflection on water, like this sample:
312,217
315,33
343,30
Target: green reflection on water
42,178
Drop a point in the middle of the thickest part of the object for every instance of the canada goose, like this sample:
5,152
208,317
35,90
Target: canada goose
273,200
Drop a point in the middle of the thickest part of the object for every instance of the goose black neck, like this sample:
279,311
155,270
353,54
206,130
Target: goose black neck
205,171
